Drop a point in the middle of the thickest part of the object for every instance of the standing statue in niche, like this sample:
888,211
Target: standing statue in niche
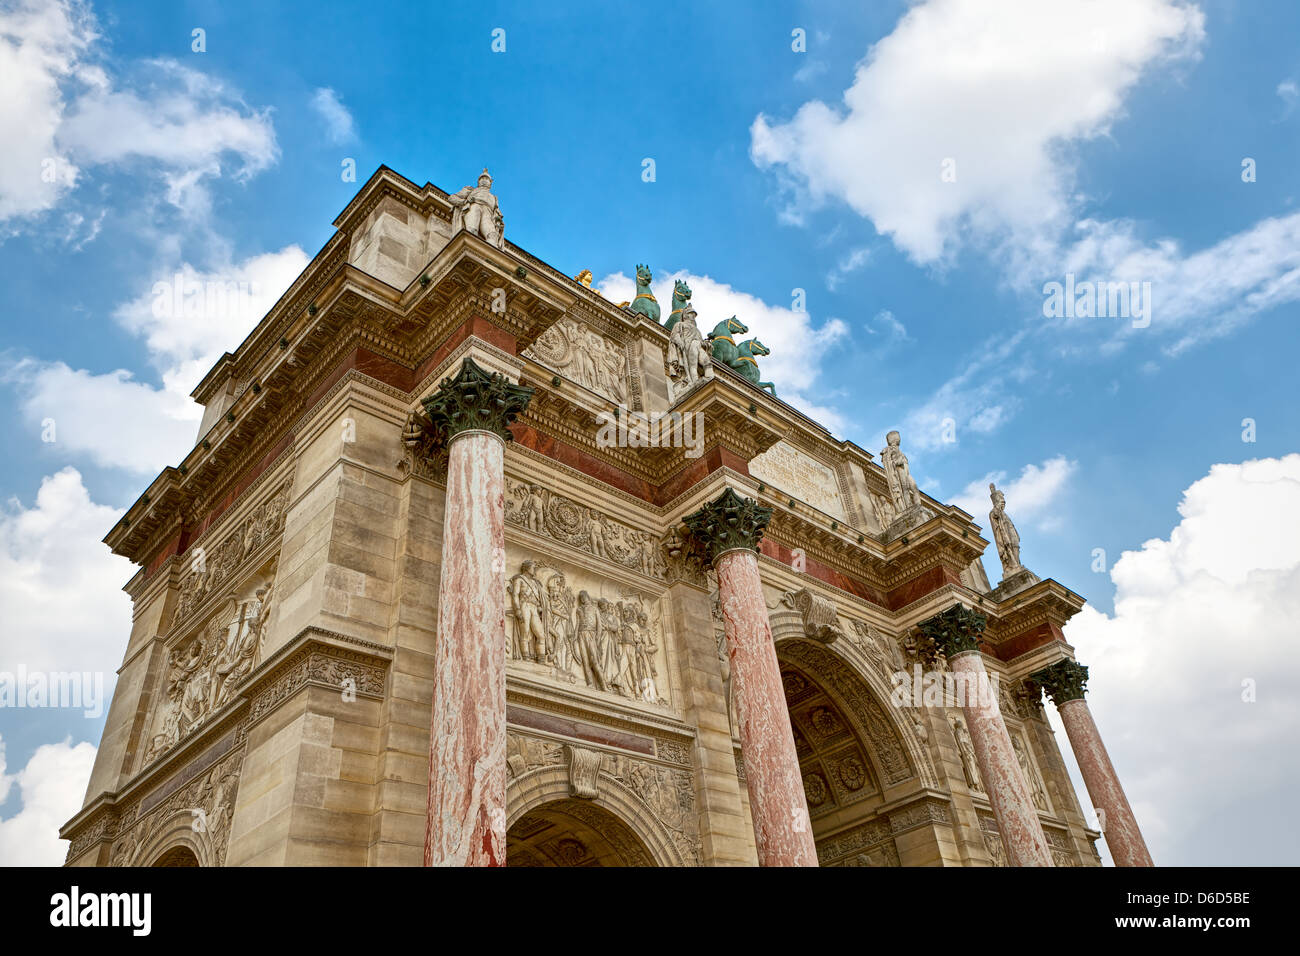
966,748
1005,535
475,210
898,475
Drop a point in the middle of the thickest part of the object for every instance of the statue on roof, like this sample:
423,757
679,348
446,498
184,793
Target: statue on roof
583,278
1005,535
645,302
898,475
688,355
475,210
681,296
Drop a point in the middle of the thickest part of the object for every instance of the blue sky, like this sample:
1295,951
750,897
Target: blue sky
1105,140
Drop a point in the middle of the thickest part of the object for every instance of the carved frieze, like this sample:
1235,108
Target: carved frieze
206,567
584,356
555,516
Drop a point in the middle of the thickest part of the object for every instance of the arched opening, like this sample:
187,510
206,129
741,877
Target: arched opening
177,856
849,756
573,833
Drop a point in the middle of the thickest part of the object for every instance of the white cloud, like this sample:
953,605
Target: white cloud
185,333
1195,296
60,586
797,345
52,786
976,400
338,121
849,263
1196,614
63,113
885,325
1031,498
1001,90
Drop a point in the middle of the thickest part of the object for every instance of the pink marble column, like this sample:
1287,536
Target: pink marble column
730,529
466,817
1066,681
467,753
1004,781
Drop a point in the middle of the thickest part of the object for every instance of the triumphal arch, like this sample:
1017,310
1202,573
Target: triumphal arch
471,565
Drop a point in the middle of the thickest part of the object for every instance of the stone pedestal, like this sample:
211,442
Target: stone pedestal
730,529
466,822
1065,682
956,632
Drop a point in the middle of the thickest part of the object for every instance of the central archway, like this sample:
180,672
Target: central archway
573,833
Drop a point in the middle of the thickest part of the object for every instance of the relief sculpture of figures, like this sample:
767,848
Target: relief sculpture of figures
475,209
586,357
1005,535
898,475
528,601
608,645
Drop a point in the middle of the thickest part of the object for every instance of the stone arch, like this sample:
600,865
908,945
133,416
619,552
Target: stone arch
850,676
636,833
179,855
171,837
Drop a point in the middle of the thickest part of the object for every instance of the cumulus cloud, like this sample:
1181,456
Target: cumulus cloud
51,787
64,113
187,319
1032,497
1204,621
338,121
797,345
60,586
958,123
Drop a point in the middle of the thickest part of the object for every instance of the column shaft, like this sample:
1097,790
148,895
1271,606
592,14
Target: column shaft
782,828
467,748
1127,848
1008,792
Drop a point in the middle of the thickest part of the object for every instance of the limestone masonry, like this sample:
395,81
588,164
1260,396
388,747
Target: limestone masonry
470,565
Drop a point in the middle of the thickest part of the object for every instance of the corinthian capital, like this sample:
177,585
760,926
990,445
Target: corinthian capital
476,400
1064,681
954,631
729,523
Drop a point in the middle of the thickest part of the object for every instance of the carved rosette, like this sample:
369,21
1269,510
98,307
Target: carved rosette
954,631
729,523
476,400
1064,681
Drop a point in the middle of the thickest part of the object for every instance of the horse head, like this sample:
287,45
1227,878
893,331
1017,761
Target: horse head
756,347
643,275
736,327
681,291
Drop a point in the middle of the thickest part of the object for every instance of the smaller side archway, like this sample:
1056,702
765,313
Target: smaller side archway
629,834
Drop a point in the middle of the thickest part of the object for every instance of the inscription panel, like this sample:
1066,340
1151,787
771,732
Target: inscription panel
803,476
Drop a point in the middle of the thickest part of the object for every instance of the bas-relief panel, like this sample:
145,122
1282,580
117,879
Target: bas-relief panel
801,475
584,356
209,565
571,626
205,668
